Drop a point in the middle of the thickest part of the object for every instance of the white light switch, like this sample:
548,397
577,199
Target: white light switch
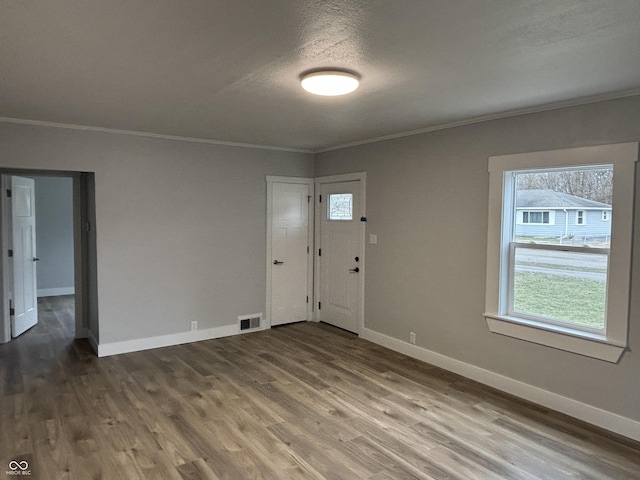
373,239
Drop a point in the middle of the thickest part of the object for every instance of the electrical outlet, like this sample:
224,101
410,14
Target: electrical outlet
194,326
412,338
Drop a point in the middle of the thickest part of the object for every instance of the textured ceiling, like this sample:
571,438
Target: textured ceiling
228,70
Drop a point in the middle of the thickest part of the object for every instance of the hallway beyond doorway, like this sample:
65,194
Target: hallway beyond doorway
38,350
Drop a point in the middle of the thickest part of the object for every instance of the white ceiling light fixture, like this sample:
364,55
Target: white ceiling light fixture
329,83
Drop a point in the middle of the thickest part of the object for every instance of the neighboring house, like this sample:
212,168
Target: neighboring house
546,213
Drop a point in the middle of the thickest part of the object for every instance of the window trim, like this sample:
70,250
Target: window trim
606,215
581,215
610,345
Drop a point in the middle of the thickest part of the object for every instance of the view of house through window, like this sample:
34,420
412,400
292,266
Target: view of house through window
560,243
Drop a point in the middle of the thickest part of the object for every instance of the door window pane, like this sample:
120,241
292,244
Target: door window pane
340,206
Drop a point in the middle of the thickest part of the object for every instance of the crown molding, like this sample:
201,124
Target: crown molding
433,128
485,118
161,136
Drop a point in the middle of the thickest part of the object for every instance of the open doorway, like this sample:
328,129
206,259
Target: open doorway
54,236
63,245
55,279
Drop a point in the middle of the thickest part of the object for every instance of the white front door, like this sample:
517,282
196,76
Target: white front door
25,302
289,259
341,254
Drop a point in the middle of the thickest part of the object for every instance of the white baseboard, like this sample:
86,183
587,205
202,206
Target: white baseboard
596,416
116,348
55,292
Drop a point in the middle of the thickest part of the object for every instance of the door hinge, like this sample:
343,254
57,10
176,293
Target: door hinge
308,198
319,305
8,193
307,298
320,198
10,253
319,252
88,226
307,249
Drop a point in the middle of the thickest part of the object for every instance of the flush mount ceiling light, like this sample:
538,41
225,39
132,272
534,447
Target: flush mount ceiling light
329,83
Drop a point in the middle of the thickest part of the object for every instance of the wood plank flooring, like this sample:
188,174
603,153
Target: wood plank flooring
304,401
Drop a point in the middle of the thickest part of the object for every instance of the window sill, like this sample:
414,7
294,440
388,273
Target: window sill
582,343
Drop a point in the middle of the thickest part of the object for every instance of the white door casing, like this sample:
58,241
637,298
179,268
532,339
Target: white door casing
340,265
24,298
289,247
85,260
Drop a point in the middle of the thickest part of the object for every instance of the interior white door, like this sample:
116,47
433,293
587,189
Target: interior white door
340,255
23,217
289,252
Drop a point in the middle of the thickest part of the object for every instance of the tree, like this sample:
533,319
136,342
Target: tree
592,184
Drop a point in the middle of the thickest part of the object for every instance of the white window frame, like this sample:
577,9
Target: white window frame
541,212
606,215
581,215
609,344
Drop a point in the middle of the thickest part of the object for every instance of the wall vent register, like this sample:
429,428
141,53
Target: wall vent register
250,322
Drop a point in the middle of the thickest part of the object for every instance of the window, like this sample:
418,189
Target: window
559,286
606,215
538,218
554,287
340,206
560,279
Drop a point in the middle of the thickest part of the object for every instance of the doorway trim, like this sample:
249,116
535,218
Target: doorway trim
5,274
85,280
347,177
271,179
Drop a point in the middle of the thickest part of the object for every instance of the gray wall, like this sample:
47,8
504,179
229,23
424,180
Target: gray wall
180,226
181,235
427,200
54,235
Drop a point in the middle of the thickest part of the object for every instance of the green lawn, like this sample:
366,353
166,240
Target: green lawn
575,300
563,267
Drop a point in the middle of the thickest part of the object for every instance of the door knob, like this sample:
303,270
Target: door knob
354,270
277,262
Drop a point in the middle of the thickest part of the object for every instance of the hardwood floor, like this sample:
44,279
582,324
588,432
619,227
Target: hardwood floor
304,401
